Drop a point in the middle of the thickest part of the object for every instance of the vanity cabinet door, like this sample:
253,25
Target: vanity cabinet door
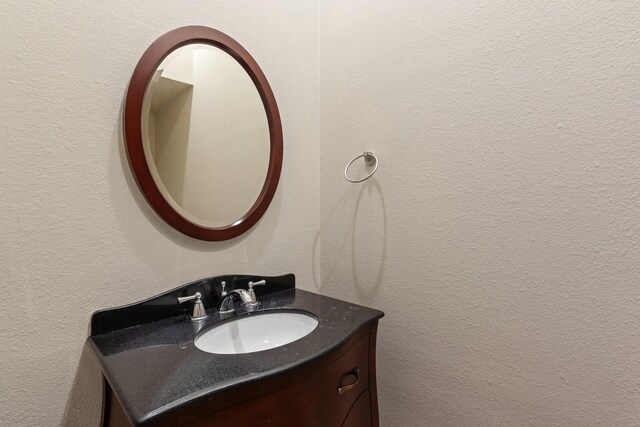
360,413
327,398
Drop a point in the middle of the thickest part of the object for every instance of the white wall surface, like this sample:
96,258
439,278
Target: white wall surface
501,232
75,233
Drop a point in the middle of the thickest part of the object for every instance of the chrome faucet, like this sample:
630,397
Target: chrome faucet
199,312
248,298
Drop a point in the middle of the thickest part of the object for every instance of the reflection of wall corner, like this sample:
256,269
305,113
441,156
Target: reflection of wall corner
172,124
167,91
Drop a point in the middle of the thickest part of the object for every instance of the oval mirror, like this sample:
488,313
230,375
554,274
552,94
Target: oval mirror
203,133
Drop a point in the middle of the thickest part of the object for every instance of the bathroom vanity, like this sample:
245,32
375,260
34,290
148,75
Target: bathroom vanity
204,141
154,374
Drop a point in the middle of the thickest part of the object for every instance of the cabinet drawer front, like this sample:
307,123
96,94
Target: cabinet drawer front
312,402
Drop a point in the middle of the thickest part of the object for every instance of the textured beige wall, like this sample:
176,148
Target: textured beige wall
501,232
75,233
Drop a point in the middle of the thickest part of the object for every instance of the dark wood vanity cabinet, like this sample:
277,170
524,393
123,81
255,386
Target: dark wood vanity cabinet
338,389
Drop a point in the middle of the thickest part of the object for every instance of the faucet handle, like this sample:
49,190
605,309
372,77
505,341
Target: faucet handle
195,296
252,284
223,293
198,307
259,283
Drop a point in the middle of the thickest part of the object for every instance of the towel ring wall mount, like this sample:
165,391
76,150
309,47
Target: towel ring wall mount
370,159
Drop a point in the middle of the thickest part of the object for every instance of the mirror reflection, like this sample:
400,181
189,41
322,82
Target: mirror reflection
205,135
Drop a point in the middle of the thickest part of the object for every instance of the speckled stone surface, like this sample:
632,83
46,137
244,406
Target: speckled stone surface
155,368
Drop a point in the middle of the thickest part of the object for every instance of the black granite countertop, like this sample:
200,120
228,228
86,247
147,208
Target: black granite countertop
155,369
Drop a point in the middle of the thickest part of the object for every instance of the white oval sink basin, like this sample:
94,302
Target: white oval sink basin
256,332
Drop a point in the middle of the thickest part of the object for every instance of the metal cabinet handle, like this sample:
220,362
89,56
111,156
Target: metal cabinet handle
353,376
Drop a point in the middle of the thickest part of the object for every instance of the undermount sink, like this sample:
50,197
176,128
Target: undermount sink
256,332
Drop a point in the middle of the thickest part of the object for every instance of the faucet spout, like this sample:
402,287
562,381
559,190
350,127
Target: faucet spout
248,300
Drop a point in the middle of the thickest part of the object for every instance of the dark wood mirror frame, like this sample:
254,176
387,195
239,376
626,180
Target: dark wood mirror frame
140,79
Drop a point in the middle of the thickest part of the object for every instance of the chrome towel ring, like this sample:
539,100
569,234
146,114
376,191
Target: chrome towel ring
370,160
